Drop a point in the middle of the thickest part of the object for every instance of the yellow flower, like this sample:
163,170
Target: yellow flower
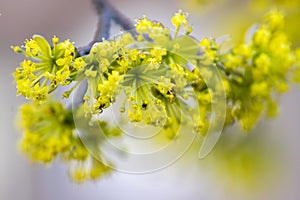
263,63
259,90
275,20
243,50
232,61
179,19
143,25
55,40
262,37
79,64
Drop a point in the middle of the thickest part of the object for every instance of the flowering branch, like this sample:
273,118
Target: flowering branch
106,14
160,73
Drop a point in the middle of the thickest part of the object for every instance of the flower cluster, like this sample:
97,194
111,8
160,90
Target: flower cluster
149,68
49,133
256,71
46,67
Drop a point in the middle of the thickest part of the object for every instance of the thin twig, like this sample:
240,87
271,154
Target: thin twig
106,14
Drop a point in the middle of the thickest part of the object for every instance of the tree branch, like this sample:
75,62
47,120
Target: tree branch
106,14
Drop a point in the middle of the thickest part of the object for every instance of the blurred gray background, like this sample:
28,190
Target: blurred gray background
189,178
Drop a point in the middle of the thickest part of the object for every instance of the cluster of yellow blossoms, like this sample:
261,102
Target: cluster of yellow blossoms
161,75
49,133
257,70
46,67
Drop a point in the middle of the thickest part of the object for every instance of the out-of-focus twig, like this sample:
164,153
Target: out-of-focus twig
106,14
